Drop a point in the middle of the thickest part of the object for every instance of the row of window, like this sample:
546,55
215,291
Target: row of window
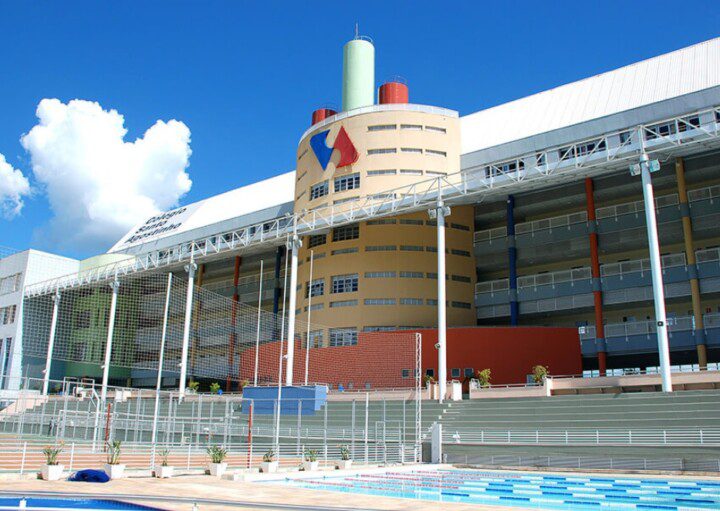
352,232
413,127
349,283
10,284
352,181
7,314
414,150
385,302
407,172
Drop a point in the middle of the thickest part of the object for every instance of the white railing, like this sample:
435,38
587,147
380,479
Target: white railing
635,207
707,193
467,186
709,437
648,327
641,265
551,223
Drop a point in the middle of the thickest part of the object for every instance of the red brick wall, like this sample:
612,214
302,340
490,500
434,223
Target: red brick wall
379,358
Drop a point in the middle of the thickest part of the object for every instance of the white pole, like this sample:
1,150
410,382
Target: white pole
296,244
280,364
115,285
656,271
442,211
257,333
161,361
307,335
51,343
190,269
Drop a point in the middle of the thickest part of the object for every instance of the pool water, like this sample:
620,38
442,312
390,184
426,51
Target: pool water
84,504
529,490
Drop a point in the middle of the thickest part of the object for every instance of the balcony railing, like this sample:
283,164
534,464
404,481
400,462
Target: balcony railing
614,211
648,327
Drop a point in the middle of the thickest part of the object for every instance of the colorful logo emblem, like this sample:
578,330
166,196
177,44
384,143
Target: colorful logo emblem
323,151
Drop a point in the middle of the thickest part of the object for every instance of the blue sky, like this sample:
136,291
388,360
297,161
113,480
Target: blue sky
244,77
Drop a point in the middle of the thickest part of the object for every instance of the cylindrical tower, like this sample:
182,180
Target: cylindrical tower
394,92
358,74
321,114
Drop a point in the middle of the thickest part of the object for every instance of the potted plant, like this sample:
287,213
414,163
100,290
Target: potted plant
193,386
217,465
539,373
164,471
311,462
268,465
345,461
113,468
243,384
52,470
215,388
484,377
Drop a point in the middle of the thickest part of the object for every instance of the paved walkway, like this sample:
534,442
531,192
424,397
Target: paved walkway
231,495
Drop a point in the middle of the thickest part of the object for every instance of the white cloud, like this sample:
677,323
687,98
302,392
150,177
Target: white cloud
99,185
13,187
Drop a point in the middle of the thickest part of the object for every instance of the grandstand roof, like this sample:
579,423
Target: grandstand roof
671,75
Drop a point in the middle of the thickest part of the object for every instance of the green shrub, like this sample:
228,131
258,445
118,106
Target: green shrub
539,373
268,456
483,377
344,452
311,455
215,388
51,453
217,453
113,452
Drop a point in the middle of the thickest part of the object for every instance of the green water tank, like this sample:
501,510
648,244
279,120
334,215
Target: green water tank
358,74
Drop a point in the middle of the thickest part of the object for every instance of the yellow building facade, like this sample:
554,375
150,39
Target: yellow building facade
381,274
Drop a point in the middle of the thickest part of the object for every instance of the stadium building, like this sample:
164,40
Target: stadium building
529,215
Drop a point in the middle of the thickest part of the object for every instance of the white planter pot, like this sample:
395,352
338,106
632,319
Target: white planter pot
163,472
217,469
310,465
343,464
115,471
268,467
52,472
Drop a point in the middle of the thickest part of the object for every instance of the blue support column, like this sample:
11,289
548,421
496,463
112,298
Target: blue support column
512,261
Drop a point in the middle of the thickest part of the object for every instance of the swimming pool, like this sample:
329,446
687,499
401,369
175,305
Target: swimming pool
529,490
46,504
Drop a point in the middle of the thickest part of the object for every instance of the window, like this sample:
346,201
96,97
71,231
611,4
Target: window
7,315
384,150
411,274
411,248
348,232
411,301
319,190
415,150
10,284
379,328
382,127
382,221
431,301
435,153
315,307
343,336
436,129
316,338
382,172
435,173
455,372
380,301
344,303
349,182
625,137
411,172
461,305
460,278
460,227
380,248
380,274
583,149
316,240
468,372
406,373
463,253
430,372
302,175
507,167
345,283
315,288
416,127
340,251
410,221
